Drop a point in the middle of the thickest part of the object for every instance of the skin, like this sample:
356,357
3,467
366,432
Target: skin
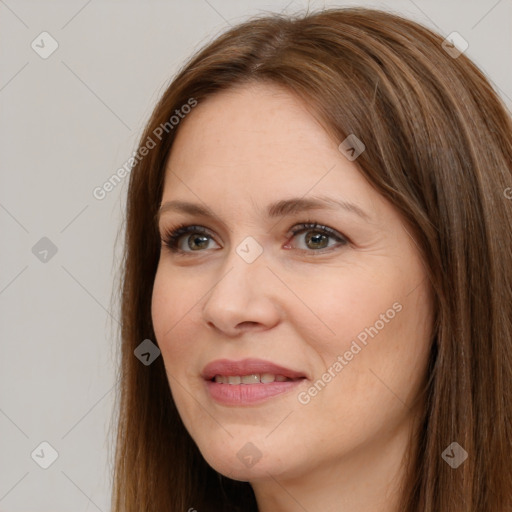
296,305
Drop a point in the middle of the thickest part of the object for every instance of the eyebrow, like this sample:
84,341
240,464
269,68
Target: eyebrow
280,208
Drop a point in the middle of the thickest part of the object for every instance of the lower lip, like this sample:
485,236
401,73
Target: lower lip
248,394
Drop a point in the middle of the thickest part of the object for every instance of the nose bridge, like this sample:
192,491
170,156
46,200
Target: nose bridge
241,294
245,262
243,268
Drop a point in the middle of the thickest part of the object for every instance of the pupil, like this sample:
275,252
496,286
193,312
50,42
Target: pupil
202,238
316,239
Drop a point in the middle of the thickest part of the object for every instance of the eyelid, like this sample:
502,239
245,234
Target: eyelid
314,226
310,225
171,236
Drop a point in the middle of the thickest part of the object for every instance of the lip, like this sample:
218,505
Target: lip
248,394
228,367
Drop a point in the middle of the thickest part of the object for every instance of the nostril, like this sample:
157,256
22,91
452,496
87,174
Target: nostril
247,324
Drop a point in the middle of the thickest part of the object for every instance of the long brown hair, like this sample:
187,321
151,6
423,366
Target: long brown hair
439,148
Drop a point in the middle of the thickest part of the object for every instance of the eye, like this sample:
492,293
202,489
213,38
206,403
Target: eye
317,237
195,238
187,239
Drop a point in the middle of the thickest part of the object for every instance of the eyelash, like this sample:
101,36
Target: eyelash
171,236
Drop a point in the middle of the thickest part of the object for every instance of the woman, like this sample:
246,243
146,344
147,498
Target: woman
319,243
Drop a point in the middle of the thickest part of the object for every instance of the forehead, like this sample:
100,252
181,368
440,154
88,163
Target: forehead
256,144
255,129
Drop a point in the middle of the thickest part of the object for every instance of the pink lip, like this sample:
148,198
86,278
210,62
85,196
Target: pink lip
247,394
246,367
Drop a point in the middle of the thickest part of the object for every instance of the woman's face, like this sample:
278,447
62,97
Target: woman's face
342,312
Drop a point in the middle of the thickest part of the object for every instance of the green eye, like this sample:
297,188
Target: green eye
198,238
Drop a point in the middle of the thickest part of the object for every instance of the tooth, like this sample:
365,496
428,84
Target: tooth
251,379
254,378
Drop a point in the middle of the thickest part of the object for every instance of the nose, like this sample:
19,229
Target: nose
243,298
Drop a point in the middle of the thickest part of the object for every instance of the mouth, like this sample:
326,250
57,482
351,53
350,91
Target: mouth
253,378
249,381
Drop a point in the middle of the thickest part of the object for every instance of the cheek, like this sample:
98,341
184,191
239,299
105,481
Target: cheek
339,304
379,328
172,306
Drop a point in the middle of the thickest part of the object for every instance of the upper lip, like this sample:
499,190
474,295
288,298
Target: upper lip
228,367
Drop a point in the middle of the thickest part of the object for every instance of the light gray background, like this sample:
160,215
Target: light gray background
67,123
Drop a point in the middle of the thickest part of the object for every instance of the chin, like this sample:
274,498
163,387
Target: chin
249,461
233,468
